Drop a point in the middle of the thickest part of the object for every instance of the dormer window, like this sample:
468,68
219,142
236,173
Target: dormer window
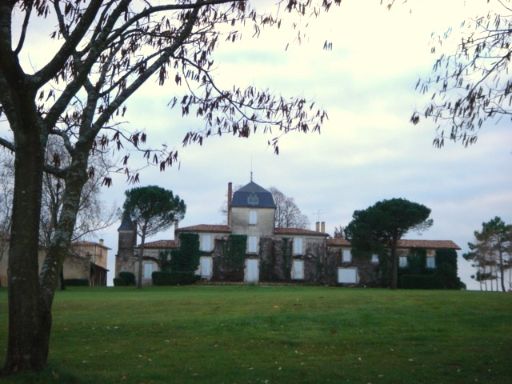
252,199
253,217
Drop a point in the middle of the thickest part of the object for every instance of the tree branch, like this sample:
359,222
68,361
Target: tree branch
52,68
7,144
24,28
127,92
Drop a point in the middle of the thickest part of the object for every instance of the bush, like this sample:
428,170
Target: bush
118,282
76,282
174,278
432,281
128,278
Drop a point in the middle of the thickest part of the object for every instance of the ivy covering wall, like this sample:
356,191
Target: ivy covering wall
443,276
186,257
230,266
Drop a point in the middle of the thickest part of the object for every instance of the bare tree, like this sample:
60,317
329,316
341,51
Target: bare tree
92,215
339,232
107,50
6,188
288,214
472,84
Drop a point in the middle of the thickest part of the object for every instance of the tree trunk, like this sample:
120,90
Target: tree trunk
394,265
23,350
60,243
502,271
141,255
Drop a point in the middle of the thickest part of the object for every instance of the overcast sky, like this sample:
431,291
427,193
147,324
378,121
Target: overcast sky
367,150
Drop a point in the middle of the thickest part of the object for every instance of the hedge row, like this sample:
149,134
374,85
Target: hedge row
174,278
416,281
76,282
124,279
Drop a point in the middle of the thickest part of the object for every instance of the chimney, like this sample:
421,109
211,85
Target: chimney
317,226
230,197
102,242
322,227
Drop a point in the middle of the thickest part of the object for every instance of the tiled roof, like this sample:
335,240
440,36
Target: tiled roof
205,228
254,196
298,231
430,244
85,243
426,244
336,242
161,244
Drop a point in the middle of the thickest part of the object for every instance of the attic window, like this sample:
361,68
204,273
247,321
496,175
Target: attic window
252,199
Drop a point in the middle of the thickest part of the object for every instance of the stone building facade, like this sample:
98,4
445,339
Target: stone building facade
272,254
87,261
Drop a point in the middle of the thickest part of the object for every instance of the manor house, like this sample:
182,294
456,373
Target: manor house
274,254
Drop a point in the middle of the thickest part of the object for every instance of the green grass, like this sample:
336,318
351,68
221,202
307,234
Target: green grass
289,334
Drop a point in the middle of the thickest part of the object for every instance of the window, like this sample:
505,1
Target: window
402,262
252,244
346,255
297,246
253,217
252,199
375,259
431,262
206,242
148,270
347,275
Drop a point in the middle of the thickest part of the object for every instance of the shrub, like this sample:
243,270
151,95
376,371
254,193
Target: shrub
76,282
127,277
174,278
118,282
411,281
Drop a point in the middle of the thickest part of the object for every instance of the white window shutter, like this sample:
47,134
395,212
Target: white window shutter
298,246
346,255
253,217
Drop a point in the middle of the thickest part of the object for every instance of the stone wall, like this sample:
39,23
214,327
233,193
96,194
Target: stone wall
223,269
275,259
368,272
263,227
125,258
319,266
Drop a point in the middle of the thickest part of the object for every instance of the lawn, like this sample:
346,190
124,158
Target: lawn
285,334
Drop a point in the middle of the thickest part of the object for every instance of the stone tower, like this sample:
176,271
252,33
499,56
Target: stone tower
127,240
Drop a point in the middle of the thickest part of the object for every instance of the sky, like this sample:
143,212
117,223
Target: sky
367,151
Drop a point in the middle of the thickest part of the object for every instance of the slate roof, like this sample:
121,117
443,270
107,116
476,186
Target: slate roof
126,224
424,244
205,228
253,196
89,244
160,244
298,232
